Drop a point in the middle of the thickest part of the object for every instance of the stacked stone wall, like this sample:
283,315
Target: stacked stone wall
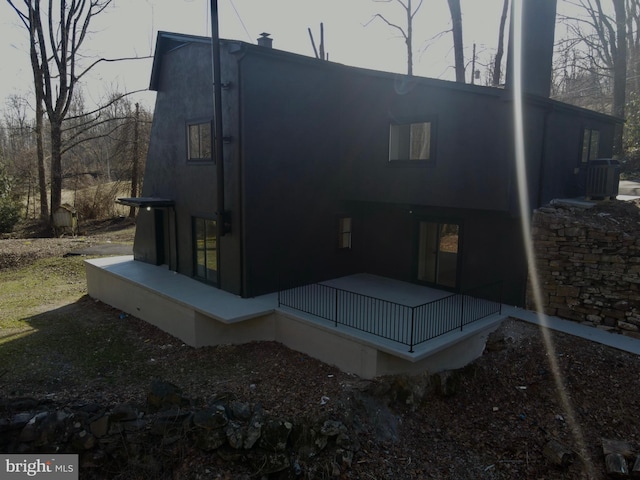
588,263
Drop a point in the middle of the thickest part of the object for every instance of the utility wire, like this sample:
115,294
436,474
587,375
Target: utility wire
240,19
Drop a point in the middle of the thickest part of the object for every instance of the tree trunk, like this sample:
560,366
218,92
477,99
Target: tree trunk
456,20
619,71
497,68
409,39
134,166
42,180
56,164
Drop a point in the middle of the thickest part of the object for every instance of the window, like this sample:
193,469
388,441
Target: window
344,232
411,142
205,245
590,145
199,142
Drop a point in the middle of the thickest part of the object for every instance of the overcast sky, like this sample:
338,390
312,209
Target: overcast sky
129,28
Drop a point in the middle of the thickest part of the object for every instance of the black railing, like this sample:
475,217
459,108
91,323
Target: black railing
404,324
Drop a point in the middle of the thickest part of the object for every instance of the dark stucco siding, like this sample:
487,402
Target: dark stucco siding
471,161
184,94
291,154
307,141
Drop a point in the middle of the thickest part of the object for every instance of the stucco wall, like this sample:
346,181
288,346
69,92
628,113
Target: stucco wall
589,264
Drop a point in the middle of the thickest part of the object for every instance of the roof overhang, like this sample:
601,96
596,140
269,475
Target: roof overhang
147,202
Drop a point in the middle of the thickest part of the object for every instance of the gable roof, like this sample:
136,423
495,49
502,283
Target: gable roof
169,41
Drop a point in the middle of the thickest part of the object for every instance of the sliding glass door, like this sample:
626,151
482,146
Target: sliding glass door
438,253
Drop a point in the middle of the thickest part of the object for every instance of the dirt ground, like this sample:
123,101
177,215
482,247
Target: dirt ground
506,407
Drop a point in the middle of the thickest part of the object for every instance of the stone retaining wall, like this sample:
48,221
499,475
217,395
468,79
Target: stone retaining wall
152,440
589,264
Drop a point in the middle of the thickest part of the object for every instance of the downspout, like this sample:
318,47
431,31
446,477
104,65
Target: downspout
217,120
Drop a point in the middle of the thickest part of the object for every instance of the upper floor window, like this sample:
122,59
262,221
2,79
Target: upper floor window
590,145
411,142
199,142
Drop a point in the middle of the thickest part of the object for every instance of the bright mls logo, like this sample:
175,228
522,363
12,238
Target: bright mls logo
51,467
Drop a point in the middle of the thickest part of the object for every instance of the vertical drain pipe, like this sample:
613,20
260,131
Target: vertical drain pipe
217,121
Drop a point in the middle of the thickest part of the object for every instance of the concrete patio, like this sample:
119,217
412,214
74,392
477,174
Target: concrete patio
202,315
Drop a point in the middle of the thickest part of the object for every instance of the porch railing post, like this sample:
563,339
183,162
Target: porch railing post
336,312
462,311
413,311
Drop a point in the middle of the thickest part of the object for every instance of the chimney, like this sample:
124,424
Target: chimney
265,41
538,30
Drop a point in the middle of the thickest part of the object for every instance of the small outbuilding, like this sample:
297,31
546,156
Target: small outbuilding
65,219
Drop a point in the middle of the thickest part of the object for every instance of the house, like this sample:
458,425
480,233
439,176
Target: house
330,170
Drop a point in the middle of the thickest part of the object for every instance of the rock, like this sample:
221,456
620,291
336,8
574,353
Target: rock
31,430
274,435
240,410
235,434
268,463
254,431
210,439
621,447
100,426
635,471
307,440
171,422
16,422
332,428
83,440
344,458
123,413
344,440
229,455
558,454
163,395
616,465
211,418
134,426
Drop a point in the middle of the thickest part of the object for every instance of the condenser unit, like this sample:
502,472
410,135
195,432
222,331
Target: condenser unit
602,179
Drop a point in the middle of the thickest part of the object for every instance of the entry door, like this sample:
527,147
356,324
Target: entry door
438,252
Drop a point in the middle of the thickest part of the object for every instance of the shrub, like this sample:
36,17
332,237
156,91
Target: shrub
98,202
9,215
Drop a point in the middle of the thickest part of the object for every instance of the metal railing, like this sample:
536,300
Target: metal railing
404,324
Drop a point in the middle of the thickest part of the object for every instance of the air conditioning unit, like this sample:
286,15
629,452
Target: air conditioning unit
602,179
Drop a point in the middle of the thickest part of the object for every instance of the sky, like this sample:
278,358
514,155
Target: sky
129,28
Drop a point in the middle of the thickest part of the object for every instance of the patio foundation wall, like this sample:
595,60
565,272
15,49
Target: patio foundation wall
148,305
316,338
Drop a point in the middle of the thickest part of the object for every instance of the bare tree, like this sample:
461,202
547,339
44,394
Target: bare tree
601,34
458,47
57,31
497,64
407,31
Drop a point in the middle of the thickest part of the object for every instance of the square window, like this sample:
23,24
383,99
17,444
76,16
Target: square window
199,142
410,141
